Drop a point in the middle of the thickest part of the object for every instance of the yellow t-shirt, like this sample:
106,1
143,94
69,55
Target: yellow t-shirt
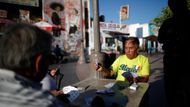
139,65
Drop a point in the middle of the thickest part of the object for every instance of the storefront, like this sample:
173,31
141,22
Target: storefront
112,36
14,11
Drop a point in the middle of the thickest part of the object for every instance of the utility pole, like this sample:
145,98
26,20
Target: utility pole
96,26
97,45
82,56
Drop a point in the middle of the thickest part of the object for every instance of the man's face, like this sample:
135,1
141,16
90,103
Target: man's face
131,49
53,72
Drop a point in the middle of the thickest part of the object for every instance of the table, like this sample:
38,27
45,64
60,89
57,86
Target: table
123,96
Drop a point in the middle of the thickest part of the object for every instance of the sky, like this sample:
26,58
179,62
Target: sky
140,11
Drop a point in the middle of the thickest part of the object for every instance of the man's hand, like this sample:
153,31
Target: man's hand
142,78
56,93
98,66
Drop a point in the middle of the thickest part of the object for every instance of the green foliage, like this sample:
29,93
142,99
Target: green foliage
188,1
165,14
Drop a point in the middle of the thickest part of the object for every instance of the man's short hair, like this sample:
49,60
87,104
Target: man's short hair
20,44
134,40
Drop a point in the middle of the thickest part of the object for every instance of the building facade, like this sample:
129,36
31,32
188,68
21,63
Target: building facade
74,27
147,34
14,11
71,21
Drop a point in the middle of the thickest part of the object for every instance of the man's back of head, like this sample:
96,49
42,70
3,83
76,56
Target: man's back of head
20,47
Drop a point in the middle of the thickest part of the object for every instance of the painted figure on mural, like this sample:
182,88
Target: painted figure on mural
24,16
56,17
73,22
47,13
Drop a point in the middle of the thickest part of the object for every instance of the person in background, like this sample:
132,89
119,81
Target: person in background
174,35
130,66
52,83
49,82
24,61
58,53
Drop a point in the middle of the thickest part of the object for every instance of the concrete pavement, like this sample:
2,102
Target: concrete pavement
156,83
74,72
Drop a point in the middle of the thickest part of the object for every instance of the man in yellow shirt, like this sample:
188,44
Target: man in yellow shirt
131,66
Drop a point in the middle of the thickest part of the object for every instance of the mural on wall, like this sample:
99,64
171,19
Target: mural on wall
24,16
153,29
64,15
72,12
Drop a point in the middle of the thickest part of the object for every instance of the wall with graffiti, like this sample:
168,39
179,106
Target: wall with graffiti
64,15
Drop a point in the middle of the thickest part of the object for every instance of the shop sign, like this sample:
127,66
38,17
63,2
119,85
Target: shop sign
114,27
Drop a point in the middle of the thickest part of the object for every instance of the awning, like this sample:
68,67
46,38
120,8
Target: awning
116,33
151,38
44,25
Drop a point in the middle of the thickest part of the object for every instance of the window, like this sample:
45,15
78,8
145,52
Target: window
139,32
110,41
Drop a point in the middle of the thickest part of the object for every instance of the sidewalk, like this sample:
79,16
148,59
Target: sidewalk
156,83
